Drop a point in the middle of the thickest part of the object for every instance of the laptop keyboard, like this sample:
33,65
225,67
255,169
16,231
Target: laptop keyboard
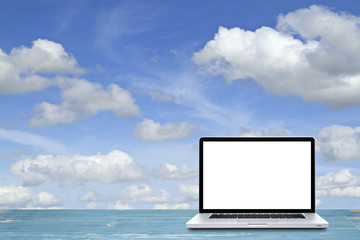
258,215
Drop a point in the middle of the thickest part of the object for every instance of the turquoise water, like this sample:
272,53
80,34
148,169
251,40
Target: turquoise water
153,224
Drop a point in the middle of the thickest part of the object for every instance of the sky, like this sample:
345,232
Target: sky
102,103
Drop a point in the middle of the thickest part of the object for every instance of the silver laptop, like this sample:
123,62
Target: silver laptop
257,182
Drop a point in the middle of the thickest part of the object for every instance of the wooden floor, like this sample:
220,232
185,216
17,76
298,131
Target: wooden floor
154,224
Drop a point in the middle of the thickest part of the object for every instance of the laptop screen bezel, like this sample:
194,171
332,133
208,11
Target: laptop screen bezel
270,139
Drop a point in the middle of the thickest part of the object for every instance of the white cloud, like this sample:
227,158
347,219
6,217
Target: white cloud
150,131
339,143
143,193
245,132
82,99
340,184
29,139
318,68
45,200
343,192
162,199
47,114
171,171
193,96
47,64
21,69
120,205
91,205
161,96
173,51
16,196
116,166
88,196
172,206
276,131
190,192
343,178
333,29
318,202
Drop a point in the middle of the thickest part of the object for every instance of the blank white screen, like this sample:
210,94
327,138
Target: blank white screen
256,175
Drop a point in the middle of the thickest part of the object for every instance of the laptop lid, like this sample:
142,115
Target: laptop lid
256,174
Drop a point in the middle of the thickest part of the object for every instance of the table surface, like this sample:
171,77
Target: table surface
154,224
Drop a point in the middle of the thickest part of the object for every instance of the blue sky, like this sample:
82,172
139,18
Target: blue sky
102,103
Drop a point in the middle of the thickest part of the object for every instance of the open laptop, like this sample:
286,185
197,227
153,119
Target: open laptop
257,182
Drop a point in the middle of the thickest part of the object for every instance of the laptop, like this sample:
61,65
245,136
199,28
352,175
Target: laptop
257,182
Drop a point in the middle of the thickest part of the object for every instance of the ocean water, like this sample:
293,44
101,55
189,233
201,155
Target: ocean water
153,224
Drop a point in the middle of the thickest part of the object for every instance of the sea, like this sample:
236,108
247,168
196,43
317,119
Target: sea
154,224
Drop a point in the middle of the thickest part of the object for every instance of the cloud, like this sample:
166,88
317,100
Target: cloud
276,131
193,96
161,96
29,139
45,200
22,70
143,193
16,196
338,143
318,202
150,131
190,192
88,196
170,171
298,58
172,206
173,51
245,132
91,205
331,29
162,199
82,99
340,184
342,192
124,20
47,64
116,166
47,114
120,205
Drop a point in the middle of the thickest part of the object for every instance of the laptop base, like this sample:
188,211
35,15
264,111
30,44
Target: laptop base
202,220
